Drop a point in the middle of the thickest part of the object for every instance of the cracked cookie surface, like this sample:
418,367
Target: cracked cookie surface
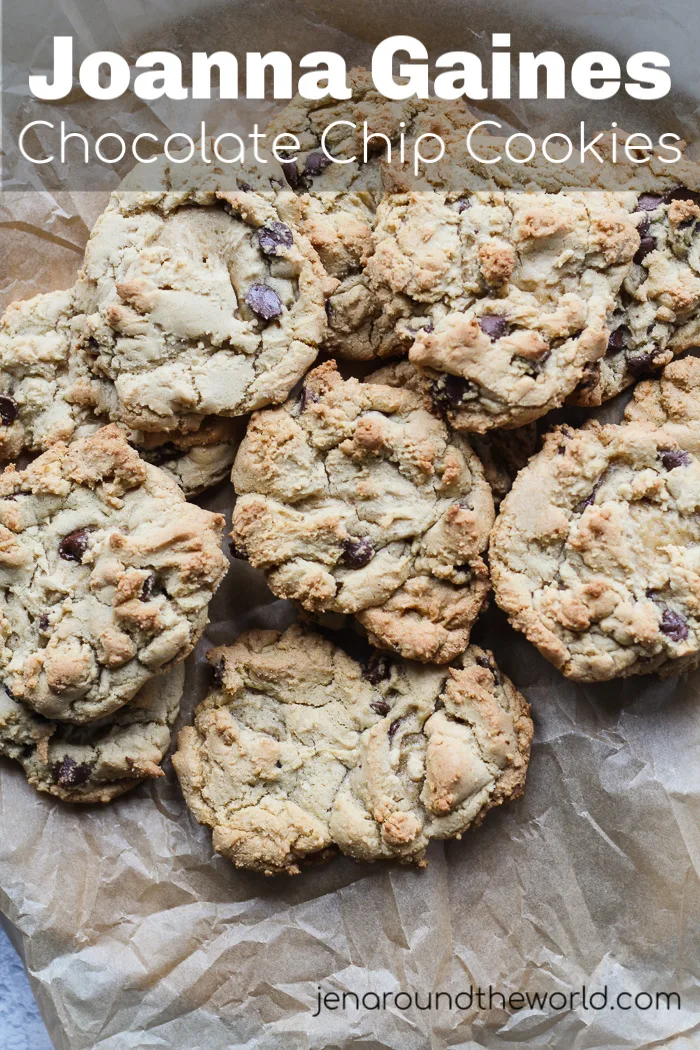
334,204
99,761
595,555
105,576
501,298
300,748
49,393
355,499
657,311
199,301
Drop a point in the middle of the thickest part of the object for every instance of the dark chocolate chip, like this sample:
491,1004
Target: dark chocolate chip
8,691
237,552
380,707
641,364
378,669
69,773
683,194
291,174
164,453
493,326
674,457
148,587
357,552
307,397
649,202
589,500
244,186
393,727
44,622
9,410
463,204
73,546
450,391
646,246
217,673
264,301
316,163
274,236
618,339
674,625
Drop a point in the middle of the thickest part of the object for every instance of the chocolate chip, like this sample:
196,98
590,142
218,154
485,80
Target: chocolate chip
237,552
674,625
291,174
307,397
44,622
483,661
641,364
165,453
148,587
618,339
329,309
73,546
69,773
463,204
357,552
589,500
9,409
316,163
646,246
244,186
649,202
274,236
683,194
381,707
8,691
644,227
674,457
493,326
217,673
377,670
393,727
264,301
450,391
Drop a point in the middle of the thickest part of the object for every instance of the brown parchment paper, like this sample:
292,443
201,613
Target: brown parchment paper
135,935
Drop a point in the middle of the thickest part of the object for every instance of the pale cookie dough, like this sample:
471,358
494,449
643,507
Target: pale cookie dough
199,300
105,576
334,204
97,762
49,393
657,312
501,299
595,555
671,401
299,748
502,452
354,499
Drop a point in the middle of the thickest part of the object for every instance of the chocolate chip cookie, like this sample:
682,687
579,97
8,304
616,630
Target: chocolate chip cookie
199,300
99,761
105,576
355,499
501,298
595,554
334,202
657,311
49,393
299,749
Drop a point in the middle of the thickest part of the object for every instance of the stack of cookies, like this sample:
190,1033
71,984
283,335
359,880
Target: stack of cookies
376,363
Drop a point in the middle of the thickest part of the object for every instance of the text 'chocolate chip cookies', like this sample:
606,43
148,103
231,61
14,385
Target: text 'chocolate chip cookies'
105,576
595,555
355,499
300,749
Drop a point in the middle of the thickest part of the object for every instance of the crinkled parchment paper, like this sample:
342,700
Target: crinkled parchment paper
135,935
